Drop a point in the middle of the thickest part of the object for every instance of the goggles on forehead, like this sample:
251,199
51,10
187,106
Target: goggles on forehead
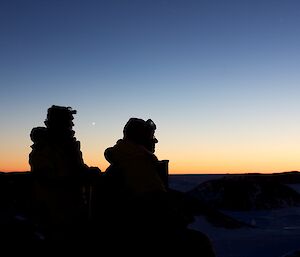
151,124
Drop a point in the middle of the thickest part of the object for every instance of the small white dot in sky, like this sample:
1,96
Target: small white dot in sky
93,123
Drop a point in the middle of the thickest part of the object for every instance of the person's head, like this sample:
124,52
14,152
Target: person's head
60,118
141,132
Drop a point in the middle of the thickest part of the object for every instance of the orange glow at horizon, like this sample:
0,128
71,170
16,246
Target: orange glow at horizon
243,157
187,166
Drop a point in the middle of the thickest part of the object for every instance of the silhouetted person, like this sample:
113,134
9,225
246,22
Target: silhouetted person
56,152
140,202
133,159
59,171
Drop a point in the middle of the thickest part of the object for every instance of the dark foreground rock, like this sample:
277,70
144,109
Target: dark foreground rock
19,220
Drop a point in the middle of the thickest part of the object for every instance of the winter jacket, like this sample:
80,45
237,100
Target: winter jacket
136,167
58,168
54,157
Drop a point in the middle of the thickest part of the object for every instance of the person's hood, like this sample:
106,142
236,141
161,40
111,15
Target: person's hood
125,150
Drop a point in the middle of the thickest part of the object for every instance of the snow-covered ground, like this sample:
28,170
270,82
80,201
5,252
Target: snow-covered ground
250,242
277,231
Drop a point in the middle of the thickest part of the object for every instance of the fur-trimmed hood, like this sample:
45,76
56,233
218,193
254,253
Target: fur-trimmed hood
137,165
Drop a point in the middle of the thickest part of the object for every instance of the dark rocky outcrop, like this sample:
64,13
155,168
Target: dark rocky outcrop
292,254
15,192
248,192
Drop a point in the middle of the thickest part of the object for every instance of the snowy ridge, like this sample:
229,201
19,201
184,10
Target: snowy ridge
276,232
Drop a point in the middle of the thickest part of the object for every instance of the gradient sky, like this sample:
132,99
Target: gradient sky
220,78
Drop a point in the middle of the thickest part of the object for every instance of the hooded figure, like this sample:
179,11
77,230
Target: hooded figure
133,161
58,168
137,190
55,150
140,201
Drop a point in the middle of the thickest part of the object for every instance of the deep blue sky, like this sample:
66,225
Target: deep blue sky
220,78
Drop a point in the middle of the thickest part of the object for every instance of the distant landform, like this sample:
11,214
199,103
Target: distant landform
237,192
249,191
